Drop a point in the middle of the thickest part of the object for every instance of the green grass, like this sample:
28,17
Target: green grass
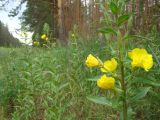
53,84
46,83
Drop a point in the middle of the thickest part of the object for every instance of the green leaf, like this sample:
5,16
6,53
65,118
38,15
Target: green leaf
155,56
140,94
113,7
122,19
148,81
107,31
99,100
94,79
63,86
155,94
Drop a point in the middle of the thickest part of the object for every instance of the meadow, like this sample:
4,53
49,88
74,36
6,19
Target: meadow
86,60
53,83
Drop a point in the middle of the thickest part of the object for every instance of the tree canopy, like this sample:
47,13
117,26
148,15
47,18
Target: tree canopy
6,38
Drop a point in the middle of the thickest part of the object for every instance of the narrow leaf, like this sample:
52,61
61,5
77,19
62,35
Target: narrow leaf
63,86
99,100
148,81
155,56
113,7
94,79
140,93
106,31
122,19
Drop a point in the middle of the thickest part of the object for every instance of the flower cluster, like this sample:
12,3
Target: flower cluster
44,37
105,82
140,58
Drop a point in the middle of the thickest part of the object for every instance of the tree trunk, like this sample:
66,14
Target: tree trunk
145,23
62,33
138,20
157,13
54,6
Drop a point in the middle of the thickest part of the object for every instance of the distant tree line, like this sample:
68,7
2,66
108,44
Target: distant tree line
62,15
6,38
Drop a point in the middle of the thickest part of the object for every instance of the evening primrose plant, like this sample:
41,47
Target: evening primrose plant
46,36
119,72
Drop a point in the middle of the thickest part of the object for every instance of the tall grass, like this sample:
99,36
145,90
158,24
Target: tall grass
52,84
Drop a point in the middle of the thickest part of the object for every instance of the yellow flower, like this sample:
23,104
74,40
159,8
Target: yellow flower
140,58
109,65
46,38
106,82
43,36
36,43
92,61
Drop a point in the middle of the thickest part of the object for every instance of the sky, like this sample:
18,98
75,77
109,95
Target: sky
13,23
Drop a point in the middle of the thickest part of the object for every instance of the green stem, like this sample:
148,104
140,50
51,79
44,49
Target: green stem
123,83
124,92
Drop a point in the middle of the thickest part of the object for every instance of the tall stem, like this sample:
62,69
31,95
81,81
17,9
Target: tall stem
124,92
123,84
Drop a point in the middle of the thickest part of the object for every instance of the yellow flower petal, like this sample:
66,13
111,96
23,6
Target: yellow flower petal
106,82
91,61
147,62
109,65
103,70
137,52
